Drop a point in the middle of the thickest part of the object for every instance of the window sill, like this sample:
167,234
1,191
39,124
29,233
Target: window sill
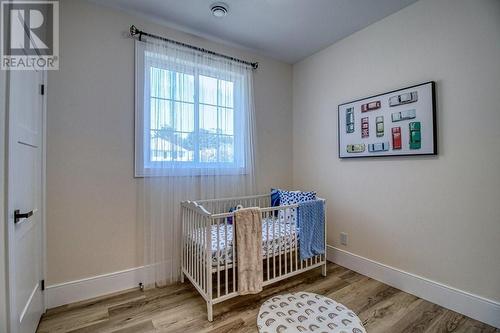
189,172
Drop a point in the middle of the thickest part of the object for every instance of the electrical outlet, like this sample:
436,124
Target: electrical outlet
343,238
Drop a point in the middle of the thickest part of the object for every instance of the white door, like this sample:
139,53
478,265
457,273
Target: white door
25,112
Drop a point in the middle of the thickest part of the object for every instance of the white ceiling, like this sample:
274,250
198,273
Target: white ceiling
287,30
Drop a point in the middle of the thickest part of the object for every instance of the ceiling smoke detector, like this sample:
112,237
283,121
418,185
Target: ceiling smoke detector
219,9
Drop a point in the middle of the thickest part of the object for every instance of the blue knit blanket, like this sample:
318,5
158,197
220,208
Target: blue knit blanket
311,224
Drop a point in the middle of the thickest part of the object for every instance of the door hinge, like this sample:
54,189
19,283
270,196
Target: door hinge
42,89
42,283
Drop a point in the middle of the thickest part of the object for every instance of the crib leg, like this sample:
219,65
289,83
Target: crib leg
209,311
323,269
182,277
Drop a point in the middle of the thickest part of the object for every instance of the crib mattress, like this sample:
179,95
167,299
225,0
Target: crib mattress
282,235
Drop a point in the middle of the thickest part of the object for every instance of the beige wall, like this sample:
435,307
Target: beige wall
438,217
91,192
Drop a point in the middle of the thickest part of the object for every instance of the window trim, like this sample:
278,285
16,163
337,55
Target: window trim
179,168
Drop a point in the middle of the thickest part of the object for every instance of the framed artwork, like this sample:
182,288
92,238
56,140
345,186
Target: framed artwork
396,123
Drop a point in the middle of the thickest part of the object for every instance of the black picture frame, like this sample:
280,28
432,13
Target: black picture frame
434,123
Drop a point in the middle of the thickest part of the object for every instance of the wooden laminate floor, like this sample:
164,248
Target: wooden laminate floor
179,308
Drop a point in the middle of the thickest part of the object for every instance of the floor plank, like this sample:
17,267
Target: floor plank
179,308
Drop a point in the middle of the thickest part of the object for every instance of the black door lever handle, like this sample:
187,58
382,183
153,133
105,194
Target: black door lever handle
18,216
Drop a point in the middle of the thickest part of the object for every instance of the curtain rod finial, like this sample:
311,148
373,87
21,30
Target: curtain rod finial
133,30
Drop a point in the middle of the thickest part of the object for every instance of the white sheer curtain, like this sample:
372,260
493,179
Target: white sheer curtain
194,140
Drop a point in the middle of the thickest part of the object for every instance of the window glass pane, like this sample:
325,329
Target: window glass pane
183,87
208,147
171,118
166,146
160,83
226,148
226,93
183,117
226,121
160,114
185,150
208,118
208,90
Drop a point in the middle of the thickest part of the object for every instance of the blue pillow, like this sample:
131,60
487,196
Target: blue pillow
275,197
294,197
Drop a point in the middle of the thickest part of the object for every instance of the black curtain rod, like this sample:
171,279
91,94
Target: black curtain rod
134,31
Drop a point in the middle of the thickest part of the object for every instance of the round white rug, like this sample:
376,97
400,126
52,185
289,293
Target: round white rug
306,312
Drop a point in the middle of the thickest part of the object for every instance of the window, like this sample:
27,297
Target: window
189,119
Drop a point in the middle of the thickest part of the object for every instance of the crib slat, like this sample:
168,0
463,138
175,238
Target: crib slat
199,252
218,258
202,252
296,247
284,246
190,242
226,256
197,266
200,245
234,255
193,240
197,246
267,241
279,244
193,226
289,244
201,249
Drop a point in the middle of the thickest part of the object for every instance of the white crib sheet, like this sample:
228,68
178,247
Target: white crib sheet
282,235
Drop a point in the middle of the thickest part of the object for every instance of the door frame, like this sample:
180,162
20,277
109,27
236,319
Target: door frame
9,218
43,215
4,301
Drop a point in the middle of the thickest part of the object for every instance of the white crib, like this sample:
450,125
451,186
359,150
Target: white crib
209,257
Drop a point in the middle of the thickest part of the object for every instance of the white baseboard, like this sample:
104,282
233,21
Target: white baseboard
477,307
79,290
474,306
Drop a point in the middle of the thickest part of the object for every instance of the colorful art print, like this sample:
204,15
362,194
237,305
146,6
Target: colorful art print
402,123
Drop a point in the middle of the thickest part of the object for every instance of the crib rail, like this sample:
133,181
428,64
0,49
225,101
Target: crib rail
209,257
215,206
